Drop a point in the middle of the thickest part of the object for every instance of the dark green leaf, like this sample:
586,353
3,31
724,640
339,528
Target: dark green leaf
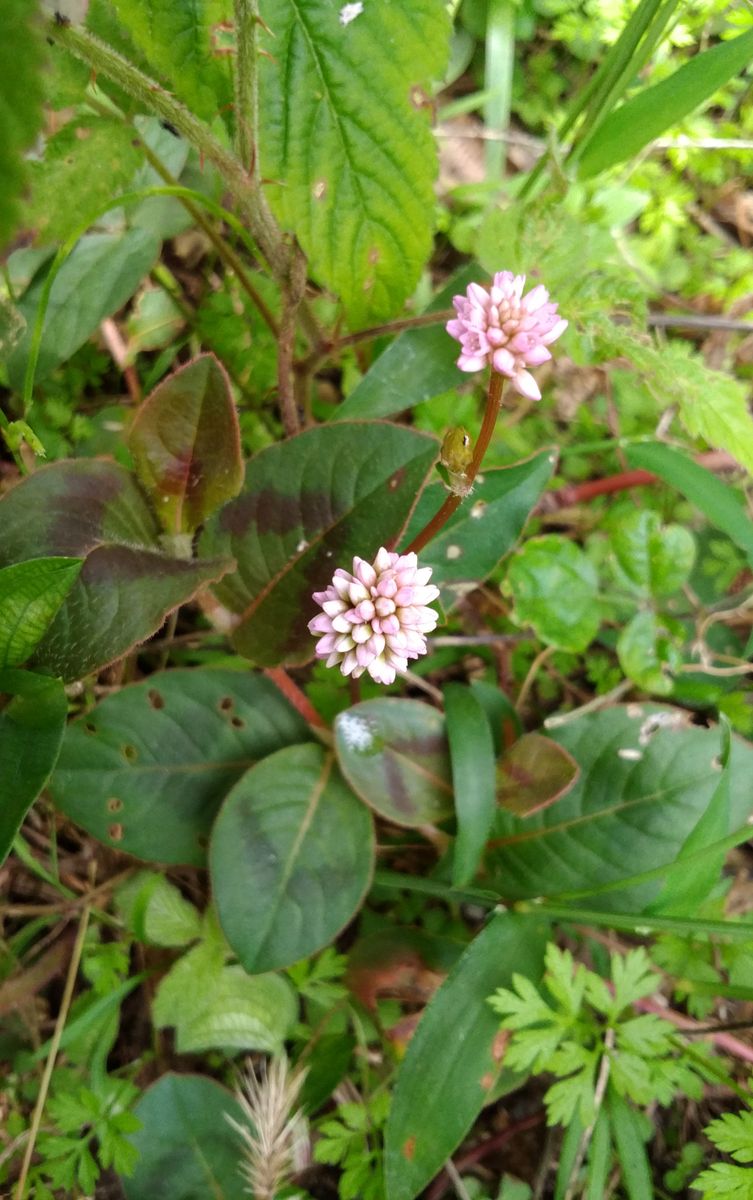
723,507
646,777
555,589
102,272
187,1148
644,117
418,365
631,1151
93,509
455,1052
21,58
394,755
484,528
30,595
31,730
185,443
347,148
148,768
533,773
308,506
472,760
291,858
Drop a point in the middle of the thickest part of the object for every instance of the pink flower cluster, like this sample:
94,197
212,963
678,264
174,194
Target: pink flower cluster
376,618
506,328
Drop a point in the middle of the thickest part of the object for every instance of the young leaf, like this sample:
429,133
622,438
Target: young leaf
455,1052
472,760
30,595
186,1145
534,773
147,769
648,653
93,509
21,58
555,589
656,558
291,858
32,722
185,443
644,117
308,506
348,149
394,755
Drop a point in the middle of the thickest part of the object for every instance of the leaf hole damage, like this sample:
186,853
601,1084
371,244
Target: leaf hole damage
90,727
225,704
237,722
320,189
115,832
114,804
453,552
130,753
155,698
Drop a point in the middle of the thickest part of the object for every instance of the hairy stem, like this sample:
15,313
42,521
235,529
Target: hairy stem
246,85
453,501
291,301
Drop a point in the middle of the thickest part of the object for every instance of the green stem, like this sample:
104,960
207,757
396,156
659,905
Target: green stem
633,922
453,501
246,85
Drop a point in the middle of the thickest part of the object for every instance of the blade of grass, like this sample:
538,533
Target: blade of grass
500,56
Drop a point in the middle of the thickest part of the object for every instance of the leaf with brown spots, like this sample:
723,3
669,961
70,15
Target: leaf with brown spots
395,756
308,505
534,773
185,443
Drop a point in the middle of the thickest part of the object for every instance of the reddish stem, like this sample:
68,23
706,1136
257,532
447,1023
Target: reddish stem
297,698
453,501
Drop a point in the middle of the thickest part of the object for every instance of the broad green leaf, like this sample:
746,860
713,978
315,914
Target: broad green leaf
715,499
156,911
148,768
188,1150
456,1051
501,714
185,443
98,277
484,528
683,892
21,60
347,142
30,595
648,653
213,1006
93,509
555,589
534,773
656,558
418,365
308,506
472,761
87,162
644,117
291,858
178,41
646,777
394,754
33,709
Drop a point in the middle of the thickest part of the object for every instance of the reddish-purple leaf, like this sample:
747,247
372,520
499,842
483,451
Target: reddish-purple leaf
533,773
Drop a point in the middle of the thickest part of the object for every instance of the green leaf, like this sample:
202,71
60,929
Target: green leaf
656,558
555,589
472,760
291,858
418,365
148,768
648,654
485,527
644,117
715,499
32,722
631,1152
185,443
725,1181
88,162
684,892
21,59
348,144
599,1158
733,1134
394,755
646,777
93,509
534,773
187,1147
308,506
156,911
177,40
98,277
456,1051
30,595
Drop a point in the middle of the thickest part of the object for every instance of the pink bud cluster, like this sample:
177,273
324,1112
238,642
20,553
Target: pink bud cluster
507,329
376,618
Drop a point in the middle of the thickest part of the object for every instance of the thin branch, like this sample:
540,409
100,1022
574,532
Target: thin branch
292,296
295,696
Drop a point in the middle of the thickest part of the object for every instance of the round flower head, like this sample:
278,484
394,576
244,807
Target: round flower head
376,618
507,329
